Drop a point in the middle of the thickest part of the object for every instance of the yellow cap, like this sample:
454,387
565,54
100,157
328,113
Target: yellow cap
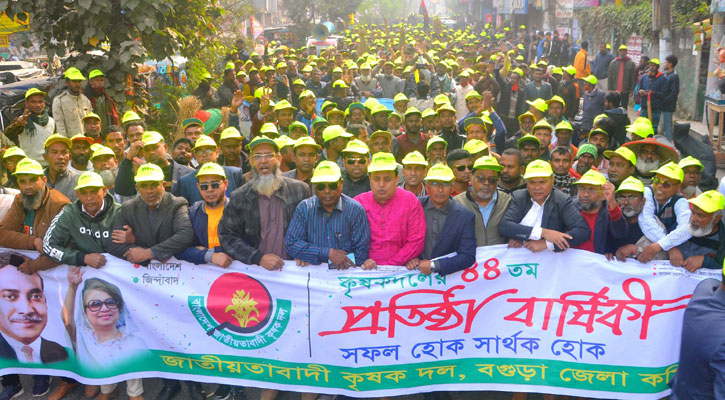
475,146
592,177
428,112
488,162
94,73
383,162
334,132
414,158
306,93
641,128
623,152
591,79
473,95
538,104
260,140
542,124
284,141
89,179
339,84
74,74
564,125
149,173
556,99
335,111
269,129
527,138
204,141
326,172
230,133
441,99
34,91
211,169
538,169
92,115
381,133
13,152
130,116
433,140
306,141
439,172
95,147
28,166
527,114
379,108
55,138
671,170
400,97
446,107
689,161
709,202
597,131
631,184
654,61
284,105
102,151
151,137
356,146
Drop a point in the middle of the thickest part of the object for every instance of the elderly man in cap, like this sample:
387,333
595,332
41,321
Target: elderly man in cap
449,227
355,158
413,139
335,140
541,218
104,164
692,171
415,168
366,85
706,247
397,222
57,157
596,202
330,226
436,150
154,150
80,154
665,217
205,151
622,163
487,203
585,159
253,229
71,105
30,130
630,197
390,84
305,156
92,127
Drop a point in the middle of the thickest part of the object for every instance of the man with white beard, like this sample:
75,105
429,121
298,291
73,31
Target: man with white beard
366,85
692,169
706,247
650,155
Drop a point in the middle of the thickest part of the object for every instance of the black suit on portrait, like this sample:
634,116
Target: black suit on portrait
50,352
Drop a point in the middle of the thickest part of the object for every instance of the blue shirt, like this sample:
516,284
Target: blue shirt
486,211
312,232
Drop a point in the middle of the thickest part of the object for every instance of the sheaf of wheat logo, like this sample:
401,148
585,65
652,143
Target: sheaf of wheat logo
242,308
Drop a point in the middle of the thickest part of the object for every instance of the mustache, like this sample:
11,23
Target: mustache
32,317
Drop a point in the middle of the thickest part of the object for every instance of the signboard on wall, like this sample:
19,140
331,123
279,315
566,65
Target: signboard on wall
634,48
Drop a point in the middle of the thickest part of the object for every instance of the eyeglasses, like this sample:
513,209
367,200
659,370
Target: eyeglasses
95,305
439,184
491,180
461,168
204,152
358,161
658,181
263,156
321,186
205,186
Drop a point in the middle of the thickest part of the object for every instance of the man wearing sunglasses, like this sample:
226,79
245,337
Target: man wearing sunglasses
665,216
330,226
460,162
355,159
449,227
486,201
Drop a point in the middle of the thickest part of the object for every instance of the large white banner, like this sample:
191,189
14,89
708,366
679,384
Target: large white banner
568,323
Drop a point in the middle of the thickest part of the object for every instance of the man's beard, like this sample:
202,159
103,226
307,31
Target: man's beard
267,184
590,205
109,177
82,160
506,178
646,167
630,211
483,195
700,232
33,202
689,191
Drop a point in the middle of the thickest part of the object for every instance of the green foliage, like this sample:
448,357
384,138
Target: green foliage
686,12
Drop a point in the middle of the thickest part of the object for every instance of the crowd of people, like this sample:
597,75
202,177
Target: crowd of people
395,148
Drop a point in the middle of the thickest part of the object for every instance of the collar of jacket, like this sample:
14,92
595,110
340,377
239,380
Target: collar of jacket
108,202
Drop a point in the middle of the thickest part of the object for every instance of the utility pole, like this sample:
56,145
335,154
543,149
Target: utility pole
661,23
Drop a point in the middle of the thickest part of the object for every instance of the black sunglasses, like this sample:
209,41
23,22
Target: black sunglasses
492,180
95,305
321,186
666,185
358,161
205,186
462,168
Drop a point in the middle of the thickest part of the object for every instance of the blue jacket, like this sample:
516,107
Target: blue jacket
199,221
658,85
458,235
186,186
606,230
601,64
669,103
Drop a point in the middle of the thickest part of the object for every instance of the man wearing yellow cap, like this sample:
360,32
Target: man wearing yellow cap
206,93
449,227
665,216
692,170
390,84
57,156
30,130
415,167
622,162
103,105
71,105
305,157
706,247
596,202
10,159
630,197
329,227
524,223
366,85
621,75
92,127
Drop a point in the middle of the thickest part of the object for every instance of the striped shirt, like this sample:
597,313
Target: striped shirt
312,232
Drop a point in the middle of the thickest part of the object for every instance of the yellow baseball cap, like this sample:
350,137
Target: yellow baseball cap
538,104
381,133
592,177
94,73
488,162
433,140
439,172
230,133
306,141
709,202
527,138
339,84
400,97
204,141
13,152
383,162
74,74
591,79
475,146
379,108
527,114
689,161
622,47
641,128
91,115
306,93
671,170
473,95
211,169
89,179
556,99
631,184
326,172
441,99
414,158
334,132
55,138
597,131
260,140
654,61
446,107
149,173
269,129
623,152
28,166
542,124
130,116
34,91
538,169
102,151
356,146
284,105
563,125
284,141
151,137
335,111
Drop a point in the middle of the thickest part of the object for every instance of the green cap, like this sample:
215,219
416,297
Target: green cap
709,202
28,166
440,173
587,148
414,158
204,141
149,173
592,177
334,132
631,184
74,74
89,179
211,169
326,172
151,137
383,162
488,162
538,169
260,140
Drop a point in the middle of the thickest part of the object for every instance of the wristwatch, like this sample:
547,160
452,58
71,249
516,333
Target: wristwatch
435,268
